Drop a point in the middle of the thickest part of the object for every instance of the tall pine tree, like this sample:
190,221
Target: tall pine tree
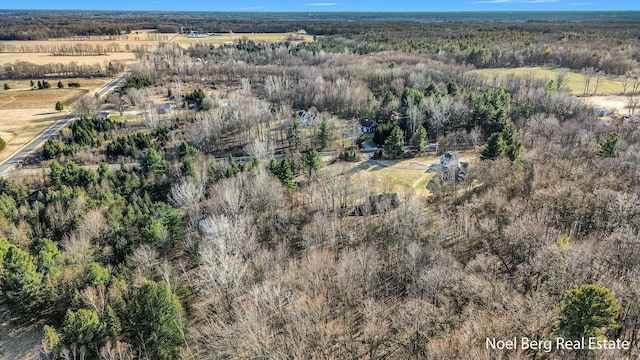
514,149
395,141
417,140
324,136
494,149
154,326
21,284
312,163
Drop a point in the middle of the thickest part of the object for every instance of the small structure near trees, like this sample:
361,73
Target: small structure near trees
378,204
366,126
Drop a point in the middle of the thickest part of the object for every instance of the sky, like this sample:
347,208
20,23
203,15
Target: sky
326,5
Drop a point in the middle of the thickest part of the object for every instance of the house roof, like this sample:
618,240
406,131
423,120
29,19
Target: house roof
367,123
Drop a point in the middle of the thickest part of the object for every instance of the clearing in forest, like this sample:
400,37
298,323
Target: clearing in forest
402,174
575,81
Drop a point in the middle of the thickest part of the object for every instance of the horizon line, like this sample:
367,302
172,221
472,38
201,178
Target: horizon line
330,11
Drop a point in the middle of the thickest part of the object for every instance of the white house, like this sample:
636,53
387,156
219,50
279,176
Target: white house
307,118
367,126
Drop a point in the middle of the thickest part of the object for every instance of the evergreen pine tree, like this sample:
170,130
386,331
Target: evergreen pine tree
294,132
83,328
286,175
588,310
20,283
494,149
395,141
153,324
417,140
313,162
609,146
324,137
514,149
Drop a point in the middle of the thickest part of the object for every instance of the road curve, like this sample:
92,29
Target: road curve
21,154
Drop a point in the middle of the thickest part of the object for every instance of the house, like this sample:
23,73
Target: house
103,115
302,32
367,126
450,171
307,118
195,34
452,168
165,108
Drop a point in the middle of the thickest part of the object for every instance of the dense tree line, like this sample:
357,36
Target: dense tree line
27,70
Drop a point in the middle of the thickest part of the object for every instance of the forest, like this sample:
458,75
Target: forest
235,229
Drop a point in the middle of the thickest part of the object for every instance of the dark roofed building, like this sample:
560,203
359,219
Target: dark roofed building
367,126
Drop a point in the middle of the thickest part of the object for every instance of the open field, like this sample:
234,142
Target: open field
615,103
232,38
48,46
404,174
575,80
46,58
26,113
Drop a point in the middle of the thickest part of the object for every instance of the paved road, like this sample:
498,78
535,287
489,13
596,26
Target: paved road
21,154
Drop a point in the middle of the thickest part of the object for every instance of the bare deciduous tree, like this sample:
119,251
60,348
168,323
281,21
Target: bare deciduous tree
187,192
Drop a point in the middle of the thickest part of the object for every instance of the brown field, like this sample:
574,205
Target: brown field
47,58
615,103
26,113
218,40
47,46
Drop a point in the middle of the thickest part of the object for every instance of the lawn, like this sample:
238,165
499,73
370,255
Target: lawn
404,174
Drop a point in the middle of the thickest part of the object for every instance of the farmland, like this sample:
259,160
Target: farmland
43,58
25,113
232,38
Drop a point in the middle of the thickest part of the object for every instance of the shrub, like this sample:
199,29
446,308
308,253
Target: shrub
349,155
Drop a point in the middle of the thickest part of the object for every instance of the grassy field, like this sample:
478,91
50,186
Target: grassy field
404,174
575,80
232,38
25,113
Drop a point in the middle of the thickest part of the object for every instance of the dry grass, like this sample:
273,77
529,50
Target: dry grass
44,58
616,103
575,80
232,38
29,99
26,113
